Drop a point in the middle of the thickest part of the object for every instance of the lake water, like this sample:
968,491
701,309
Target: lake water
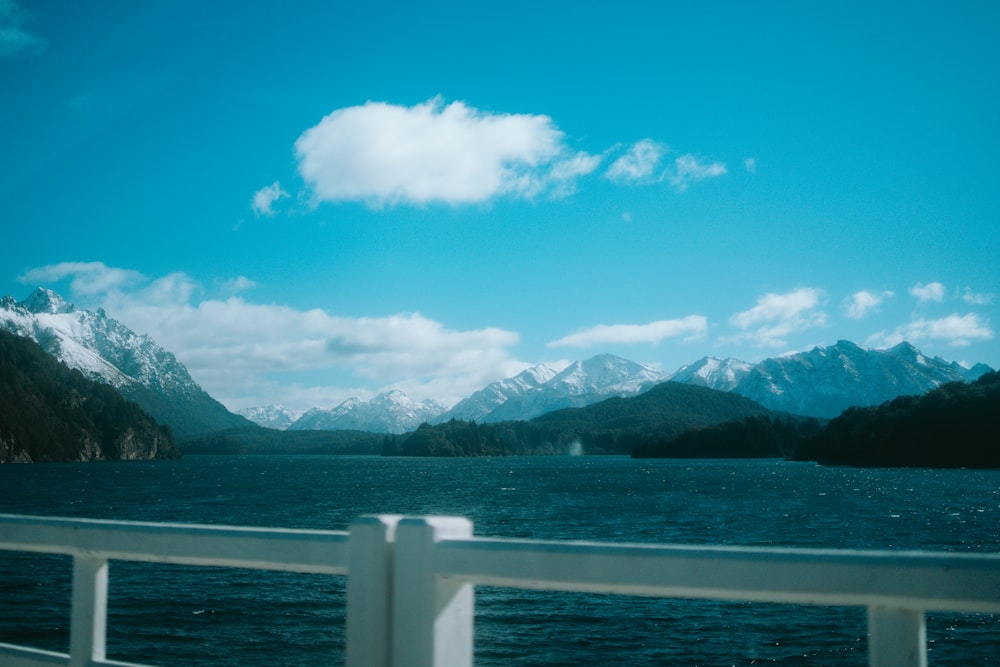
173,615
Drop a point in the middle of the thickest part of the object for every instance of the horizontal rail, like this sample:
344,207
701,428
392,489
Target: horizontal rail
898,579
288,550
410,585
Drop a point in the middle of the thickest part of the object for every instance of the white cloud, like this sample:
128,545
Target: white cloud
956,330
750,164
382,154
639,164
929,292
776,316
230,345
237,285
88,278
860,304
688,169
264,199
976,299
692,327
240,352
13,37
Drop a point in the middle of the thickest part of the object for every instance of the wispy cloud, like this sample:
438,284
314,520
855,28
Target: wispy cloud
860,304
776,316
691,327
750,164
976,298
86,278
688,169
640,164
386,154
237,285
955,330
14,38
929,292
264,199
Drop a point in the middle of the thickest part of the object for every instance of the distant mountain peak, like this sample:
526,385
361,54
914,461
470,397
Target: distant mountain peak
481,403
48,302
391,411
714,373
269,416
582,383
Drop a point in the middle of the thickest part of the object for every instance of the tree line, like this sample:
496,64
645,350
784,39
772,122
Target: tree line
955,425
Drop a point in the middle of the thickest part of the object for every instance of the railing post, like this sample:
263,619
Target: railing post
89,610
896,638
432,621
369,591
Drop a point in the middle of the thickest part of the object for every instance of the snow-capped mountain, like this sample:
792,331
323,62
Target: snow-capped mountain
318,419
269,416
106,350
721,374
821,382
528,394
580,384
826,380
480,404
389,412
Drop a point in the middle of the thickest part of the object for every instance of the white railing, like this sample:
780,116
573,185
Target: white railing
410,583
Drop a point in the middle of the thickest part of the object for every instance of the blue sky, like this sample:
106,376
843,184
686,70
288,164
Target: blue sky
312,201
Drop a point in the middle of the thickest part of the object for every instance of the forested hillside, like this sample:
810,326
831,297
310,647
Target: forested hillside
613,426
51,413
955,425
753,437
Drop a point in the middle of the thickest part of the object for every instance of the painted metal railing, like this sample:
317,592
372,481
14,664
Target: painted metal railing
410,580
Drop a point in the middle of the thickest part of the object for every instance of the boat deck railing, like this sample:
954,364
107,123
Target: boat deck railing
410,579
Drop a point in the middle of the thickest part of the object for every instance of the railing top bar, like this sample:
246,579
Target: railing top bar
735,551
72,522
320,551
903,579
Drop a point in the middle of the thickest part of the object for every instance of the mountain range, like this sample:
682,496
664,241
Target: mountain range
821,382
389,412
826,380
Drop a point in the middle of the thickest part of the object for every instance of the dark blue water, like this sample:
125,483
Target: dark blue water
173,615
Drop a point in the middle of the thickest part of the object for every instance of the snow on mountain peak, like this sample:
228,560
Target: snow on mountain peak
270,416
714,373
106,350
95,344
579,384
605,373
391,411
46,301
824,381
